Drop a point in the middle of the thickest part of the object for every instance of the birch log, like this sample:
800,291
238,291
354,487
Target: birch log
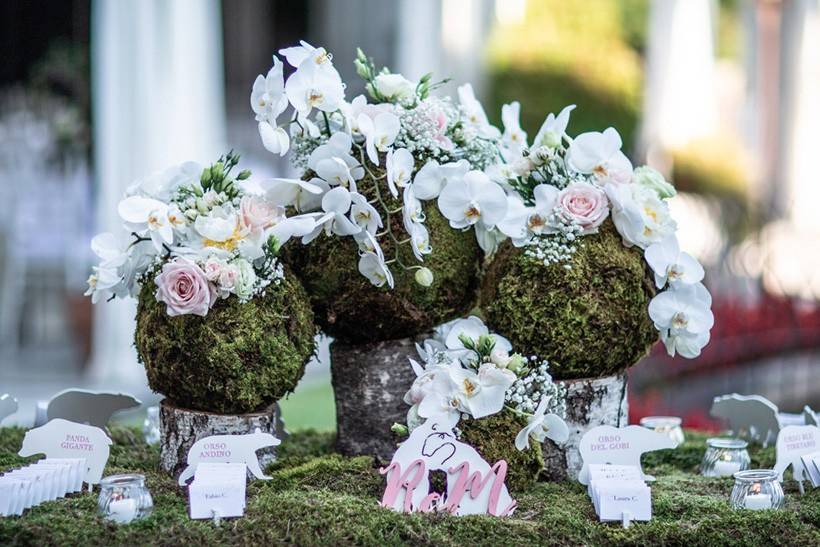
369,383
180,428
590,402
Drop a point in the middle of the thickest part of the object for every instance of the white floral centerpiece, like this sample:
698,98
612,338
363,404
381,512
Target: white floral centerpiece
200,253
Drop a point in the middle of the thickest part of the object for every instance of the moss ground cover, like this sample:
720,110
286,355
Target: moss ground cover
318,497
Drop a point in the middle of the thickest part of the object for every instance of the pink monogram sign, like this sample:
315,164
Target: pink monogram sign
474,487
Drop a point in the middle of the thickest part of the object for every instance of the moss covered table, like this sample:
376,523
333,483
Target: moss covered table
320,497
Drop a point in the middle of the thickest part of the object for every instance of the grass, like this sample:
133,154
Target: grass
318,497
311,406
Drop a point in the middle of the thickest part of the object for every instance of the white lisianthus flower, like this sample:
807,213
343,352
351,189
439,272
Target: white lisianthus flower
640,216
683,316
542,426
372,266
432,177
599,154
219,225
379,132
553,129
514,138
245,279
336,204
146,214
672,265
268,99
650,178
474,114
364,214
399,165
471,200
395,87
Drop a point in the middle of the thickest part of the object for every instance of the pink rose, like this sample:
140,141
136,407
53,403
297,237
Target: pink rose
585,204
184,289
258,213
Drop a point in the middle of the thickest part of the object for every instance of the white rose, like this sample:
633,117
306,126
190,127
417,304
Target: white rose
501,357
395,87
218,225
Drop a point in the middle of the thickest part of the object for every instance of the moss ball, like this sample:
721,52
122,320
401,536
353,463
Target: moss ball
589,320
239,358
350,308
494,438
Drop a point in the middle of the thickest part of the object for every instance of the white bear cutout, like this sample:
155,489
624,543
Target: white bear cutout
89,407
606,444
229,449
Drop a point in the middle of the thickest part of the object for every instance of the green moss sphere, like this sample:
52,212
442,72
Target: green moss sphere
589,320
239,358
494,438
350,308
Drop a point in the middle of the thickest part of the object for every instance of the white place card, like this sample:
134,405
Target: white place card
811,464
218,490
76,471
620,500
601,472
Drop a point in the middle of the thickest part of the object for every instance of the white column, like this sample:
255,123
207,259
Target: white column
680,98
158,100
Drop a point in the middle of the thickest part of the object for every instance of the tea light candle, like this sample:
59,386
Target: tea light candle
122,511
758,501
725,469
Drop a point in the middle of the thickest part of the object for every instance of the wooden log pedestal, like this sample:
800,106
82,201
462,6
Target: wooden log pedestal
369,383
590,402
180,428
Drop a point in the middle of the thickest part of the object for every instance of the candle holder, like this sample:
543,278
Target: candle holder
124,498
757,489
668,425
724,457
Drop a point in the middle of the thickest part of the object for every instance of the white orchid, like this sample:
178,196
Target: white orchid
399,166
514,225
474,114
684,318
303,195
432,177
112,250
514,138
162,185
542,426
336,204
489,238
315,84
473,328
478,393
296,55
640,216
336,172
412,213
143,214
103,283
379,132
471,200
337,146
274,138
600,154
268,99
553,129
672,265
364,214
296,226
420,240
373,267
546,197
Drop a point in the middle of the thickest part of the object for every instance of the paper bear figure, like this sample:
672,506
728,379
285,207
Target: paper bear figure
89,407
606,444
8,406
474,487
64,439
748,416
229,449
793,442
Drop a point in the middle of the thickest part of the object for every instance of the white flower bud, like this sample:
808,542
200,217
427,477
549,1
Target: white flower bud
424,277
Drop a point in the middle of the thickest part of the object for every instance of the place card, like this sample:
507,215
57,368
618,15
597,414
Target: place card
624,501
15,494
811,464
218,491
229,449
63,439
602,472
606,444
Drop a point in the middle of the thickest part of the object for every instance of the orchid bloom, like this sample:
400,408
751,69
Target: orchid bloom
672,265
432,177
474,112
315,84
412,212
546,198
141,214
337,146
478,393
303,195
473,199
553,129
399,165
514,138
336,173
514,225
275,139
296,55
542,426
364,214
372,266
640,216
335,204
379,133
683,317
600,154
420,240
268,99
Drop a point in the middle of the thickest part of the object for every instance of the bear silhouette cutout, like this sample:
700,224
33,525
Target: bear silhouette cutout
606,444
793,442
751,417
64,439
229,449
89,407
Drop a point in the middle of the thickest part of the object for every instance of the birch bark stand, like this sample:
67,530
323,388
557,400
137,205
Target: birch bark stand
180,428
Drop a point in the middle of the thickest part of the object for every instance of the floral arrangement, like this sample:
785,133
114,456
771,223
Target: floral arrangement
560,189
423,147
468,372
198,236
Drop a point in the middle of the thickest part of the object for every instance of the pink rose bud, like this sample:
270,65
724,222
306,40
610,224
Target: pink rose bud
258,213
585,204
184,289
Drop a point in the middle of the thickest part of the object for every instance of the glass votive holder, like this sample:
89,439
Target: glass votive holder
124,498
150,426
668,425
757,489
724,457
